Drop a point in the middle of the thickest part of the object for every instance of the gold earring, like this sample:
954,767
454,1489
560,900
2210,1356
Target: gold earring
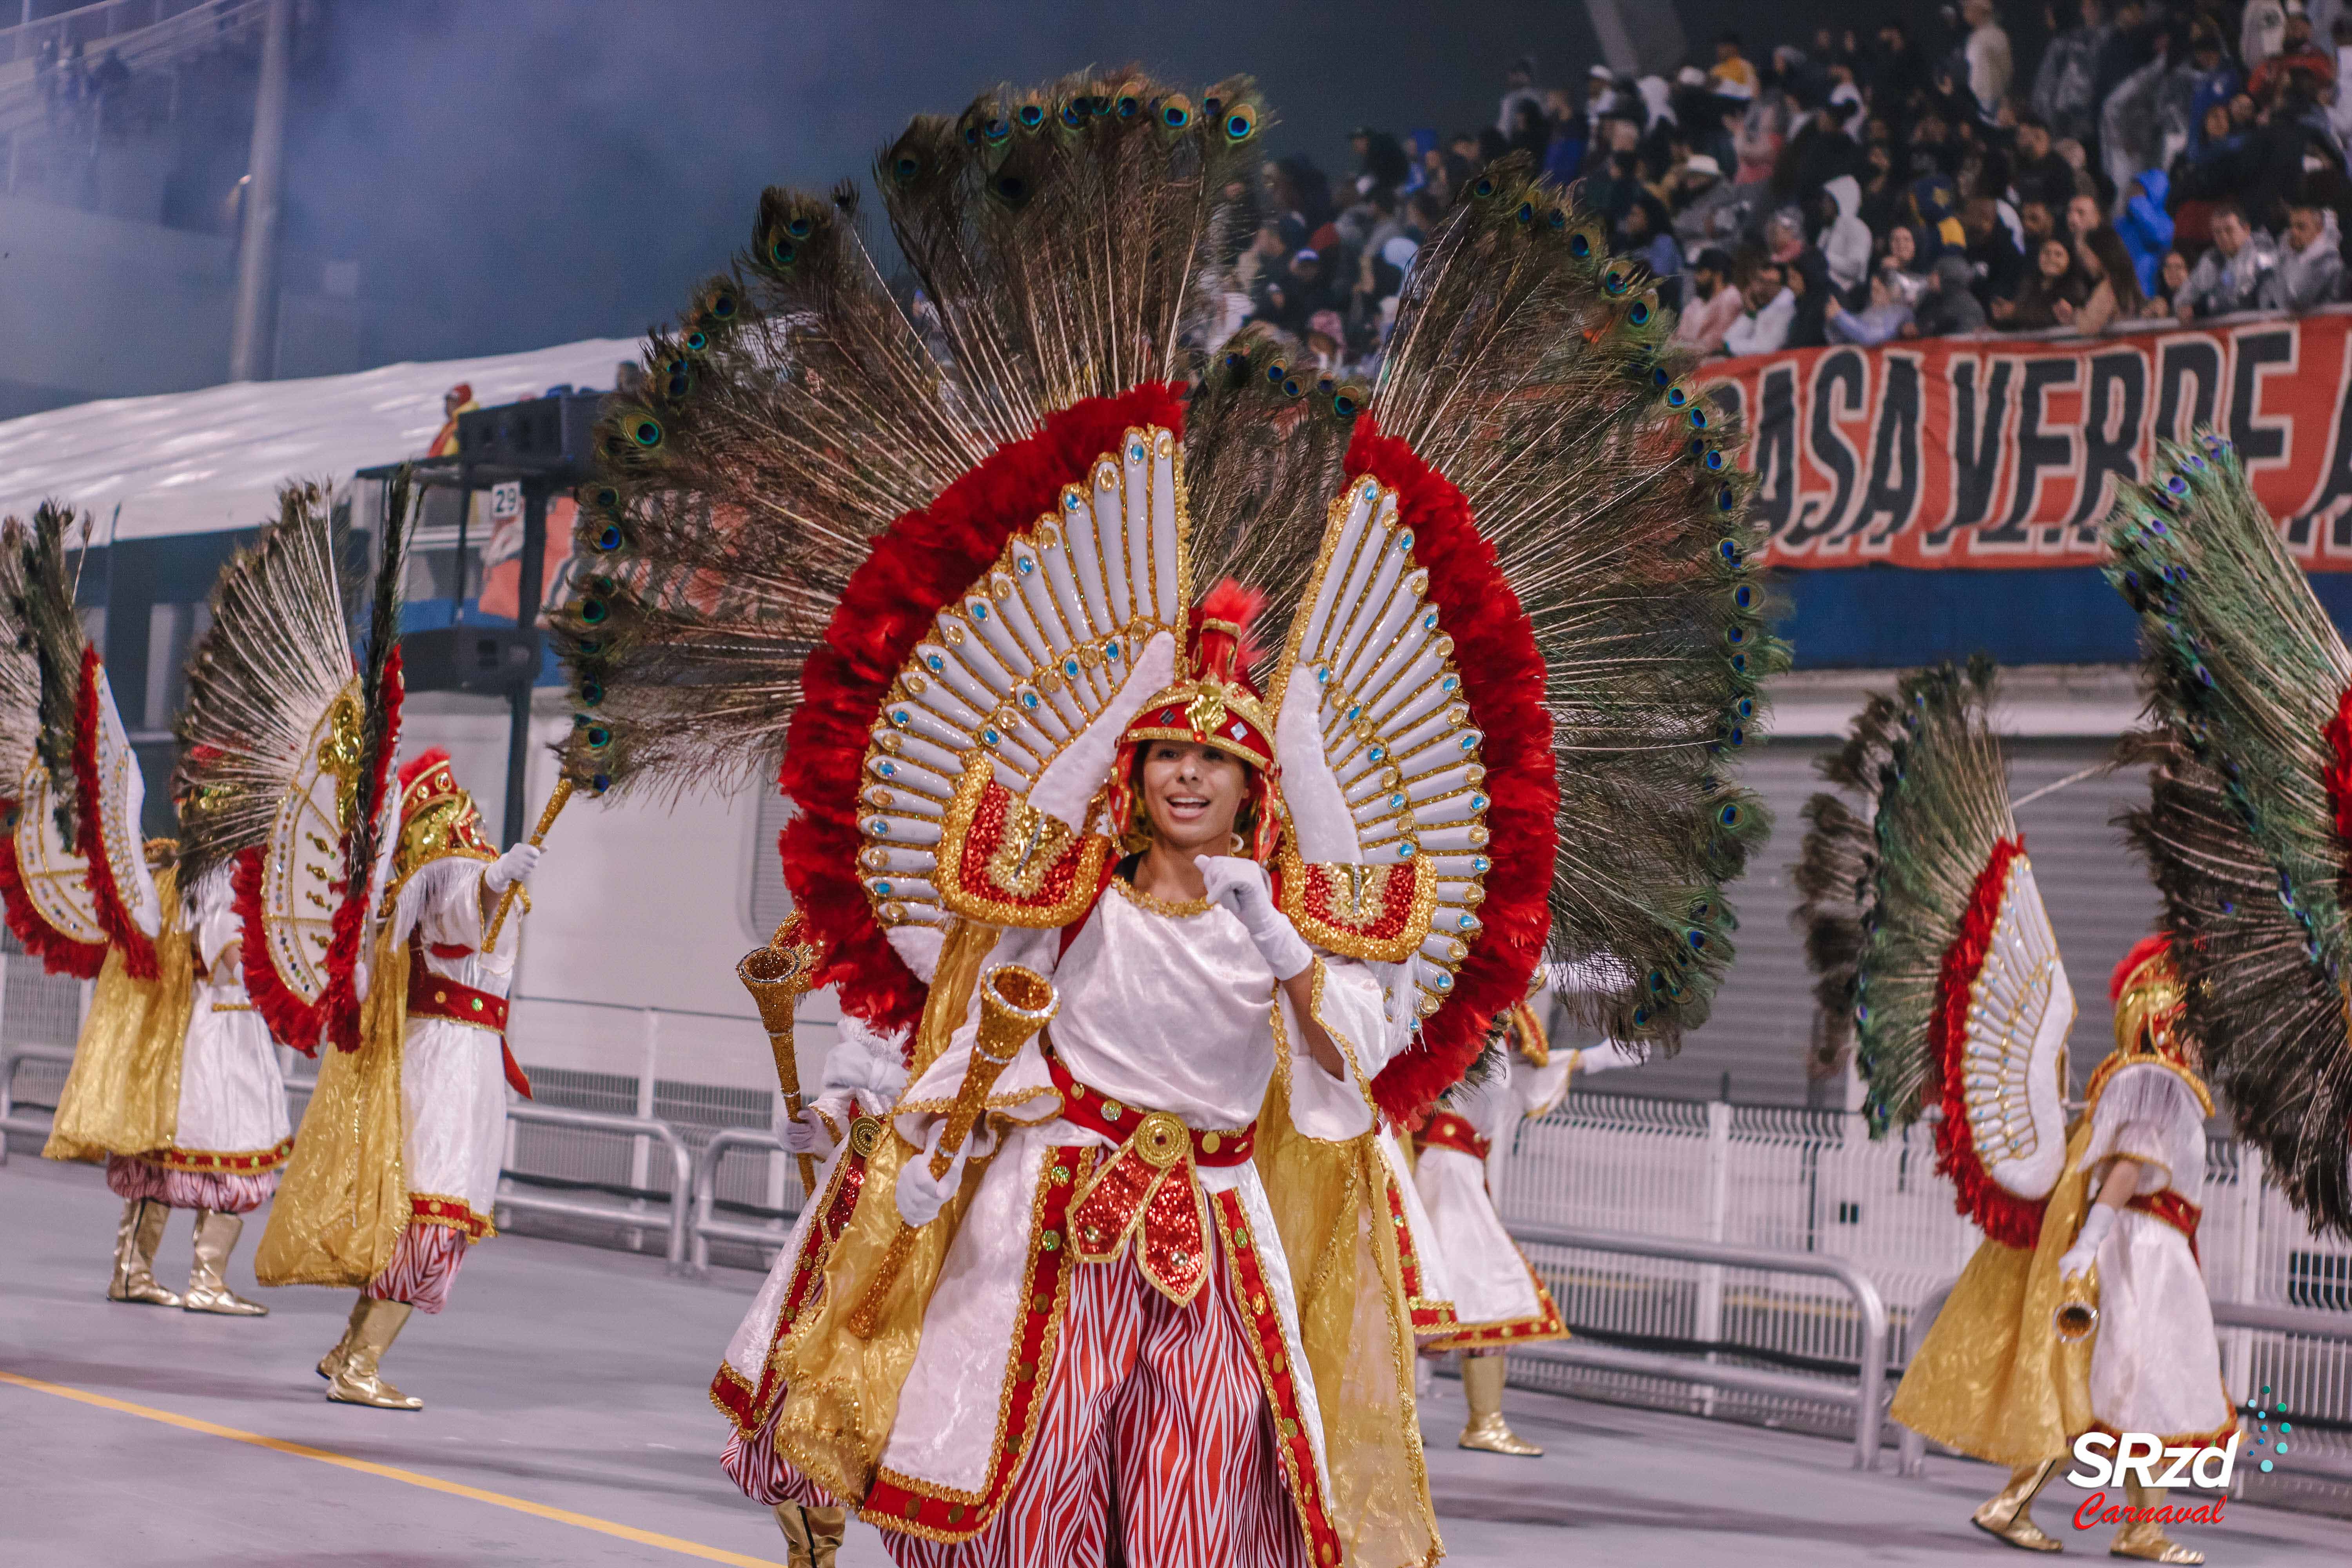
1238,847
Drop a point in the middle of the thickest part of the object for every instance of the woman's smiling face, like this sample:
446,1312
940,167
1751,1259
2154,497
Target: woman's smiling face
1193,794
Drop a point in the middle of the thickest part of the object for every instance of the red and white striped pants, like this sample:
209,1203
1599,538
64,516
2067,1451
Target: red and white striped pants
1154,1447
423,1268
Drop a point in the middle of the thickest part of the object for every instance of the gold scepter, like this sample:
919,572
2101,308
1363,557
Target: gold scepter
506,900
1016,1002
778,975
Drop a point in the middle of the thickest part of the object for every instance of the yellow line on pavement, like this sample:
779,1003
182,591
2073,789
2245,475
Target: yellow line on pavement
390,1472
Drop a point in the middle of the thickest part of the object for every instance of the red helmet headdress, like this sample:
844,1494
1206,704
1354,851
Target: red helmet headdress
1215,703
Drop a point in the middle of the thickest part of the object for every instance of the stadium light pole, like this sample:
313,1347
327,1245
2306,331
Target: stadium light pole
253,331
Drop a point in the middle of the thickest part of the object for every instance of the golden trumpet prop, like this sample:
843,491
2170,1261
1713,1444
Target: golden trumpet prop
537,835
778,975
2077,1316
1014,1004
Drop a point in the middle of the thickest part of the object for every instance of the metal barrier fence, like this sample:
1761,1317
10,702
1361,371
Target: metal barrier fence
10,1120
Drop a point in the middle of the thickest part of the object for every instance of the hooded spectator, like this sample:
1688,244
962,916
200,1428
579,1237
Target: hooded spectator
2146,227
1709,209
1563,158
2310,262
2240,273
1520,91
1714,305
2064,92
1770,307
2261,31
1949,310
1844,238
1647,236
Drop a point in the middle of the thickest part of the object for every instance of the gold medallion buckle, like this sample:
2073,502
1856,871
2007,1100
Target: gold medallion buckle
1161,1140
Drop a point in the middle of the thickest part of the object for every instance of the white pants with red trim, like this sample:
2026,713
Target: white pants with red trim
1154,1447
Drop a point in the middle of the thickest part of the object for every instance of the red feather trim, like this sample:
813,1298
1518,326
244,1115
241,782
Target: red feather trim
2145,948
2000,1214
339,1009
926,560
106,892
336,1013
1502,681
59,953
291,1020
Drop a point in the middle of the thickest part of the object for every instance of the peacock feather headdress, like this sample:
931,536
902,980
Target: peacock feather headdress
915,548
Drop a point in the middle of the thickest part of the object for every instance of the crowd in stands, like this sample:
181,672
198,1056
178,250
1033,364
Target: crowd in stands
2172,159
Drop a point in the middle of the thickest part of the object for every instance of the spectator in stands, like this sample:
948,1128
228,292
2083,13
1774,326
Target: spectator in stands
2146,227
2171,283
2081,216
1520,91
2310,262
2039,174
1936,215
2054,284
1294,296
2218,168
2240,273
1714,305
1770,307
1804,273
2340,110
1844,238
1730,69
1902,266
1708,209
2297,60
1894,73
2065,95
2035,222
1951,308
1988,57
1647,236
1881,320
2261,31
2106,267
1994,257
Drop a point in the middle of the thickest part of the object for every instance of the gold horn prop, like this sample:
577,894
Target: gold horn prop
2078,1317
778,975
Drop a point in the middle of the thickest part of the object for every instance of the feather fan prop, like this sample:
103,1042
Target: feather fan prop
1933,951
44,882
2249,826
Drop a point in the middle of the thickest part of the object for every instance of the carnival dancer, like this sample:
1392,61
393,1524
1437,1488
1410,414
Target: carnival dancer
1498,1298
444,966
175,1084
1265,900
1936,956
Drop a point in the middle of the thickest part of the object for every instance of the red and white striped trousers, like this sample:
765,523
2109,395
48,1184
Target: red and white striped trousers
1154,1447
423,1268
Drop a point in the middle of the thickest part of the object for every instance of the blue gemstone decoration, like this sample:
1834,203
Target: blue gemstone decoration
1027,565
1444,982
1377,753
1397,801
1110,648
979,611
1469,742
879,827
1448,684
1355,711
1465,922
886,768
1029,699
1407,850
1405,540
988,737
900,717
1429,622
882,890
1478,803
935,661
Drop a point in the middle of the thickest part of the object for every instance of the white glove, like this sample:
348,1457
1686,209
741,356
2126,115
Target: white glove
515,866
1608,1054
812,1131
1242,886
921,1195
2085,1250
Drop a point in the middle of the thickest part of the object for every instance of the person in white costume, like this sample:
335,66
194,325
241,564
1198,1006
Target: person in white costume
865,1073
455,1067
232,1134
1498,1299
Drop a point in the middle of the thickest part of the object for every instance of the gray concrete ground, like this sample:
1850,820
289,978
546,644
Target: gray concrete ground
568,1381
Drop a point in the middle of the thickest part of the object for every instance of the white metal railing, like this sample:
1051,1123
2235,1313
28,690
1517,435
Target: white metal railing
680,1195
1866,1395
10,1121
705,1227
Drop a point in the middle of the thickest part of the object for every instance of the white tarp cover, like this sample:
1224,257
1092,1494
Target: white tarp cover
192,462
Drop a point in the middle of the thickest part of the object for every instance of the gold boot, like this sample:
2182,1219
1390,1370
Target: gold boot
2005,1517
332,1361
1482,1385
812,1535
374,1325
2146,1539
135,1241
208,1290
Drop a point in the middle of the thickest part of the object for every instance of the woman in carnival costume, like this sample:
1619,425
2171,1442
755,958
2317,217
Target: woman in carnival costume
1171,921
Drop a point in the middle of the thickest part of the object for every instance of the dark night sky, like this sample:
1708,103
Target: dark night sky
528,172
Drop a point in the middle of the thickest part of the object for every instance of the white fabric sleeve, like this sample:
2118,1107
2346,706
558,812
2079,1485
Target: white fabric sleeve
217,924
2148,1113
1539,1089
1024,1091
443,900
1351,1003
864,1063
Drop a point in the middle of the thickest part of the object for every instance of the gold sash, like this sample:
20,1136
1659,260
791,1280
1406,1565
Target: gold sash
122,1095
